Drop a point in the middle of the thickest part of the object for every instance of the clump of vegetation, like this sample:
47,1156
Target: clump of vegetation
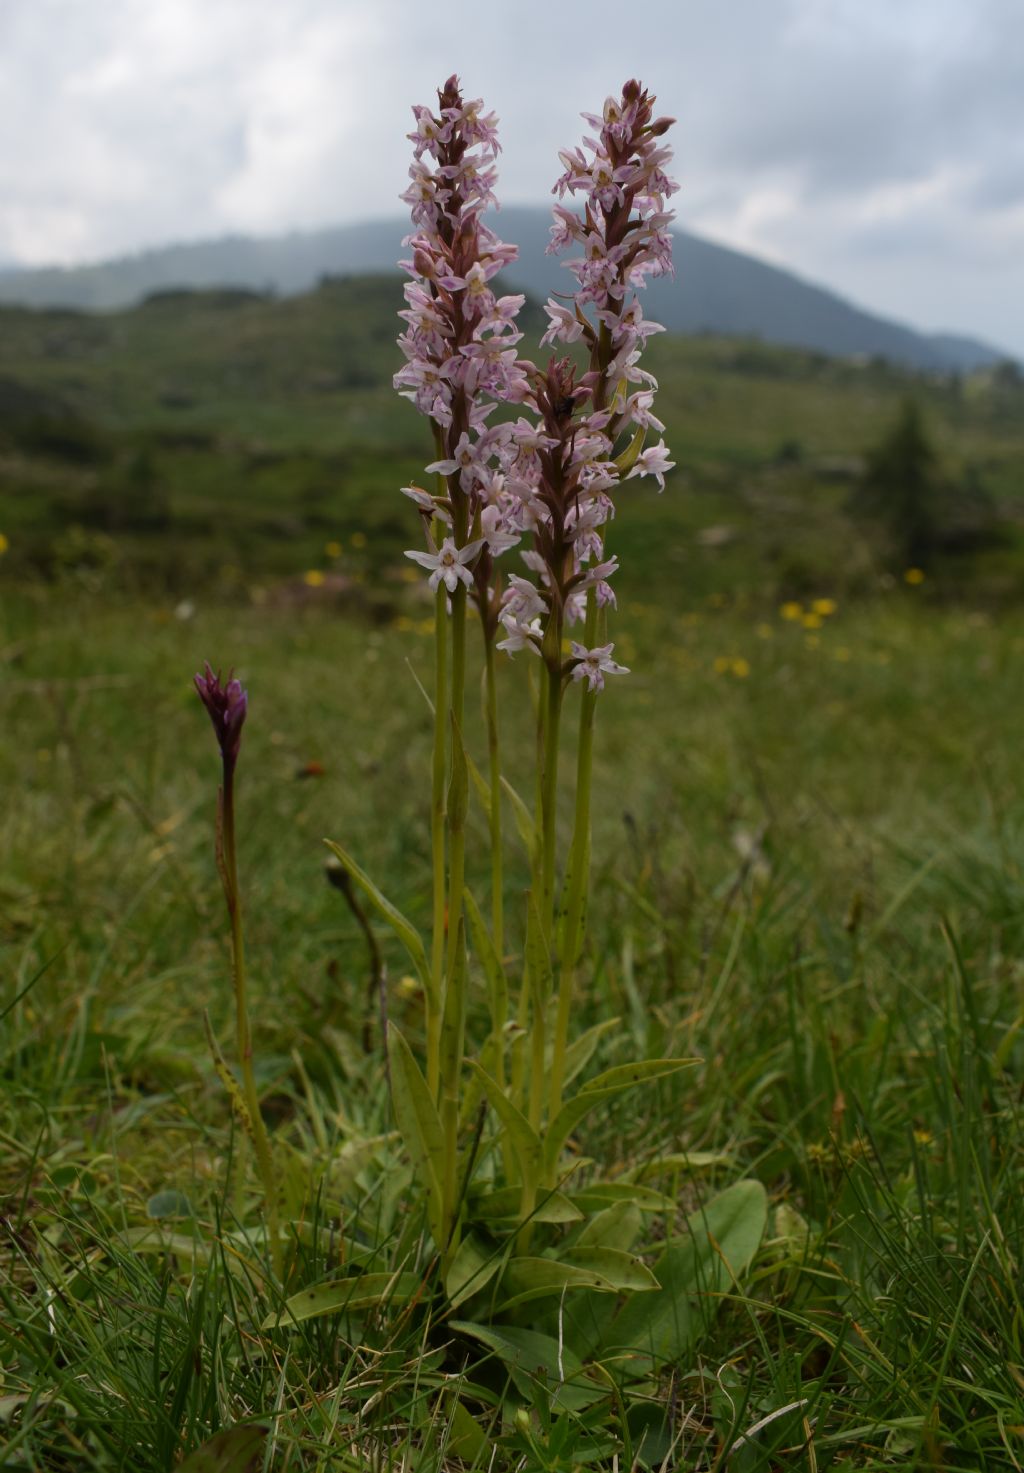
923,511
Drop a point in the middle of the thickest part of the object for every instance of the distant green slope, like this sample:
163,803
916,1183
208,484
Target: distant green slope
716,290
231,436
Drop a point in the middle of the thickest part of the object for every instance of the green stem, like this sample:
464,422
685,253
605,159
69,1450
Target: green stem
437,841
243,1033
453,1026
494,756
577,879
499,1011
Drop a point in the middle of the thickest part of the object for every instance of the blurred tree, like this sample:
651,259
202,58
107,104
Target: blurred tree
899,488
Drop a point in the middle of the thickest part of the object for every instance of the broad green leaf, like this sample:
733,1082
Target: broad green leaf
524,823
534,1358
580,1052
624,1271
617,1226
538,1278
360,1291
694,1271
235,1450
420,1127
525,1140
603,1087
403,929
474,1265
504,1204
680,1161
601,1194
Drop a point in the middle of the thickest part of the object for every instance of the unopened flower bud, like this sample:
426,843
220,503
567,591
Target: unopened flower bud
227,706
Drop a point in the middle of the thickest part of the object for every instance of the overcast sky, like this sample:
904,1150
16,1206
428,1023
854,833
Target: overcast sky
874,146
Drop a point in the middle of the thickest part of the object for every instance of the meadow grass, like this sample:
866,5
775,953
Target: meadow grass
807,848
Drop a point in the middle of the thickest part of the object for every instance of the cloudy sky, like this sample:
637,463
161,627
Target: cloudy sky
874,146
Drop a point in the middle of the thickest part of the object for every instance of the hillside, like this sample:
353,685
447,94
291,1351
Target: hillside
716,290
230,437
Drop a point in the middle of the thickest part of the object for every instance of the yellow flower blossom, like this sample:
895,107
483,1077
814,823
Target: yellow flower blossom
914,576
333,549
792,611
4,544
313,579
358,539
740,667
824,606
812,621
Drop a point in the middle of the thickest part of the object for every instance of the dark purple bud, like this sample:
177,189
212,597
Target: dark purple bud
226,705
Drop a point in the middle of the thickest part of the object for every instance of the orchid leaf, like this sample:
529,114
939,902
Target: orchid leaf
420,1127
360,1291
525,1140
524,823
695,1271
474,1265
531,1357
603,1087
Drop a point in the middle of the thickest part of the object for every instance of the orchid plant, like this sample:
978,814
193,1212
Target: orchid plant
528,459
542,479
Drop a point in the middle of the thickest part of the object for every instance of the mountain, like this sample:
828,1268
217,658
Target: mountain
716,289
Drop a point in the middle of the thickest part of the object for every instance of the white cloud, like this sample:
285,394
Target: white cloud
871,146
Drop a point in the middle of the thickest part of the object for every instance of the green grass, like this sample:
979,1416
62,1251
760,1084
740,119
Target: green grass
809,875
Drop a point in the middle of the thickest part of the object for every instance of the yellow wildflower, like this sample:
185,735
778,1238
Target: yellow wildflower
914,576
740,667
4,544
313,579
333,549
358,539
824,606
792,611
812,621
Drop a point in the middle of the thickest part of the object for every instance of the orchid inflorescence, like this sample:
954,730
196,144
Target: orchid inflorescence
551,473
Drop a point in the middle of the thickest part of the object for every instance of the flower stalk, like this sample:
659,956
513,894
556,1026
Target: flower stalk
227,706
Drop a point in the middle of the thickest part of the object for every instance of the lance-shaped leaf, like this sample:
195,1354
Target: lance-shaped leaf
360,1291
503,1206
604,1270
403,928
474,1265
603,1087
627,459
580,1052
420,1127
532,1359
525,825
525,1140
